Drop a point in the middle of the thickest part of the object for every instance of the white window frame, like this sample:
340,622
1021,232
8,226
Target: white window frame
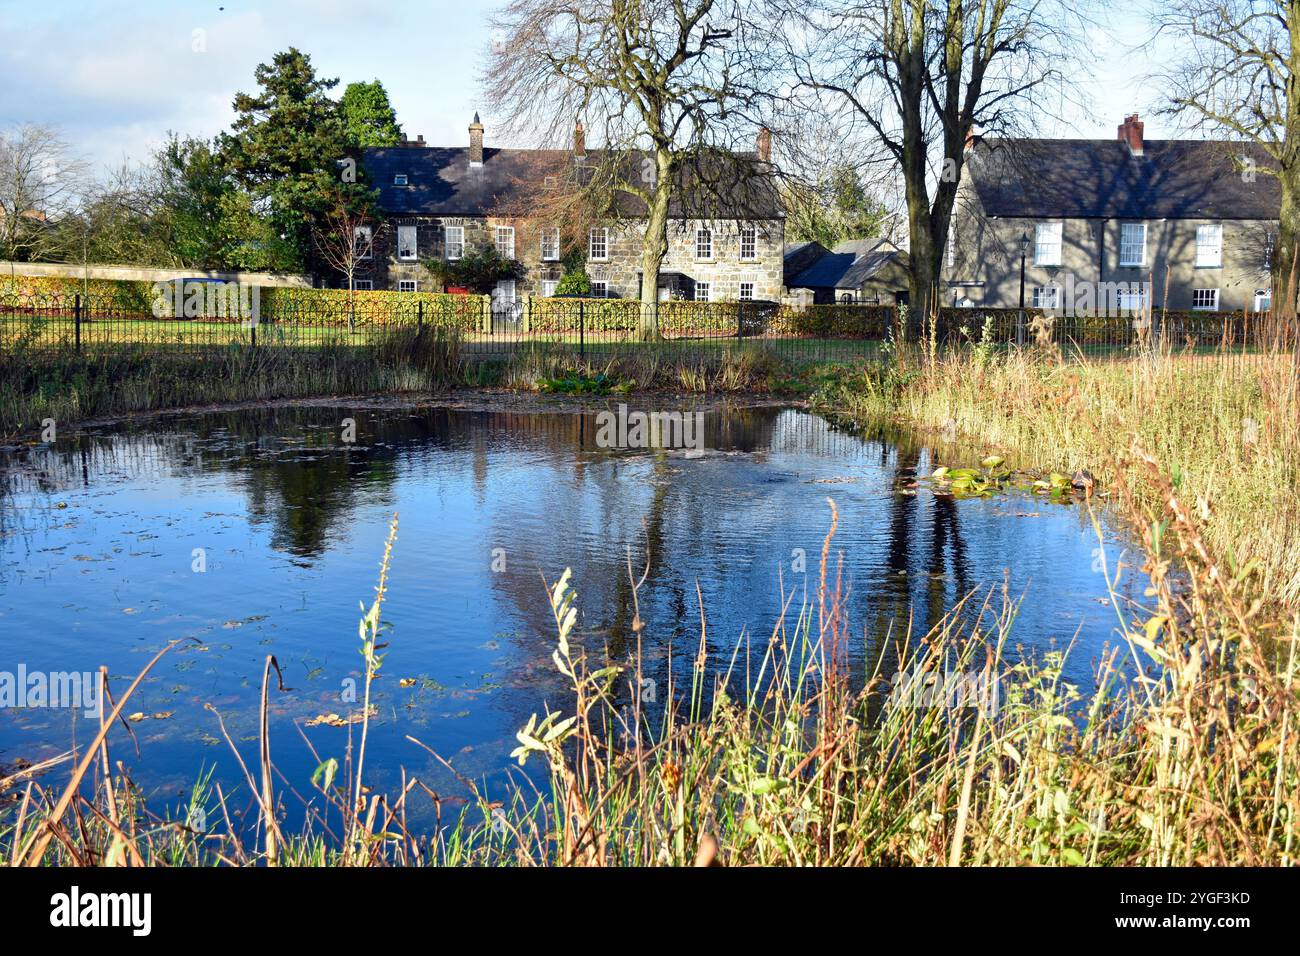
1126,244
1211,306
414,233
743,295
553,233
507,233
363,285
702,290
413,283
604,289
748,243
454,239
400,179
368,248
1263,300
548,287
1041,299
599,235
951,252
1043,246
704,243
1209,251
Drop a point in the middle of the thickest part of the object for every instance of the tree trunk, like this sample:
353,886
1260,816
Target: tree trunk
1286,270
923,266
655,248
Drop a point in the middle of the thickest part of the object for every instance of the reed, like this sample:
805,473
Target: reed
104,382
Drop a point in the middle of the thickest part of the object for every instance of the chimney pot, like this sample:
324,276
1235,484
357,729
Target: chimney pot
763,145
579,141
1130,133
476,142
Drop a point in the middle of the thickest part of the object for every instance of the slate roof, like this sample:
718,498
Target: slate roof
1091,178
847,266
442,182
798,256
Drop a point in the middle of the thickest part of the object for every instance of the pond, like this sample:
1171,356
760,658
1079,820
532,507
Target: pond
259,531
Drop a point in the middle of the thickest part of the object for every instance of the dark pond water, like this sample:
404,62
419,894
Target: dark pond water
99,539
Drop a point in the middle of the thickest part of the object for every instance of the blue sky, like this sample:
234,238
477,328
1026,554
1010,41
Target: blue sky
116,76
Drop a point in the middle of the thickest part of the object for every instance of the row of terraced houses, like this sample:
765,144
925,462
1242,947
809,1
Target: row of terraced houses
1179,223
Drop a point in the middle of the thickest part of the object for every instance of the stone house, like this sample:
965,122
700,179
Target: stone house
1109,226
442,201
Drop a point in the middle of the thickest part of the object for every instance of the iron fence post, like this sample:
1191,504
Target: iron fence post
77,319
582,324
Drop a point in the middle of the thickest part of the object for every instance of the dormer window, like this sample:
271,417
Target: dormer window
399,179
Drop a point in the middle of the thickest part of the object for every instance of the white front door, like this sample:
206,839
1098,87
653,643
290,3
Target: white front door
503,296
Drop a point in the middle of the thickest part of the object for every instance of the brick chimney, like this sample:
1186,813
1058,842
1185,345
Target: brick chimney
476,142
579,141
763,145
1130,132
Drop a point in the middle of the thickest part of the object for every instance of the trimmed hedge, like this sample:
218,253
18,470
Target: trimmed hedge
322,307
329,307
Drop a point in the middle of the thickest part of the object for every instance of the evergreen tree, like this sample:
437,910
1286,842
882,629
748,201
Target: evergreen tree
368,116
285,148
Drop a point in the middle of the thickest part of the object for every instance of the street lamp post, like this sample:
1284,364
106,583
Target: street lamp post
1020,324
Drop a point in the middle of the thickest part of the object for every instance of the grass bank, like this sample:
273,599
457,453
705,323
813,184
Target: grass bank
102,383
1227,429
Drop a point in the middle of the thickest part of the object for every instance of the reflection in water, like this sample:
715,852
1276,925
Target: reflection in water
98,537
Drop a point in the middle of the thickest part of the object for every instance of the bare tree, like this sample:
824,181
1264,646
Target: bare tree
345,235
1238,76
660,83
40,181
917,77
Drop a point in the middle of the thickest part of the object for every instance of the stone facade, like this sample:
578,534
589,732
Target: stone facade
682,274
